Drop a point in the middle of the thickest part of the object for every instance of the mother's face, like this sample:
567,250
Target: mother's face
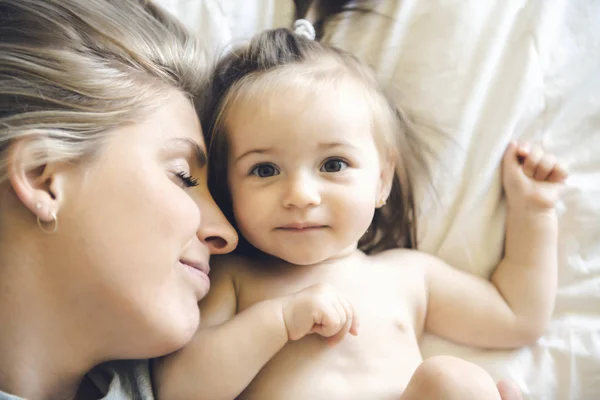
137,227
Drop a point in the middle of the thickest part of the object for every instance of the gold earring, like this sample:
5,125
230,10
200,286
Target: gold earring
54,220
381,203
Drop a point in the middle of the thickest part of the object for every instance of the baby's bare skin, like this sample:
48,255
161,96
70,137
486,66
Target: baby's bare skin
268,326
379,362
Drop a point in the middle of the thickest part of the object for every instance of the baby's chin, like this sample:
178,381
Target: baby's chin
304,258
305,254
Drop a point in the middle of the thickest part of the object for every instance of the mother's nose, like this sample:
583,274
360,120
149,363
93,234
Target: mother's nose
215,231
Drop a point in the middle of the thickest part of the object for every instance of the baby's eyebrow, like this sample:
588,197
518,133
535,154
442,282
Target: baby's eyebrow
329,145
254,151
324,145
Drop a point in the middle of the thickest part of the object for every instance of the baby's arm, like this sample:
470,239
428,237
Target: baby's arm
229,350
515,307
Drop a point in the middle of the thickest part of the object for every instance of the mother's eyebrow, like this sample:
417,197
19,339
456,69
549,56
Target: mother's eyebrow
199,152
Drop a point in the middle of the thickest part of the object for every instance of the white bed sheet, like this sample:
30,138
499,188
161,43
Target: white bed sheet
484,71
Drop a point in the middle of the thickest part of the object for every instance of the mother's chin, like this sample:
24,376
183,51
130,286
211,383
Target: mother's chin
164,329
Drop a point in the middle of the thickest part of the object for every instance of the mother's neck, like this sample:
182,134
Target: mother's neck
44,355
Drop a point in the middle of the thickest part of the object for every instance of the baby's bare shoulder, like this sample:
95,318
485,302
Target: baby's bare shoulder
401,270
229,264
238,269
253,274
405,262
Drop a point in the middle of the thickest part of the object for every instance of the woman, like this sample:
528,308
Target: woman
106,222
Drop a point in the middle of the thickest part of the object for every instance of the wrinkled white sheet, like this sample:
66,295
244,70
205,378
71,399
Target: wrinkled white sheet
484,71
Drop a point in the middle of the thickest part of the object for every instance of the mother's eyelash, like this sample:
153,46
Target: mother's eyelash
188,180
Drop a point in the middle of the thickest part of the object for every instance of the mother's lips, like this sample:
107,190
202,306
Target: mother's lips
200,266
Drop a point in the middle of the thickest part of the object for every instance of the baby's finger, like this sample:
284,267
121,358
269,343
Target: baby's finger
509,159
509,390
522,149
545,167
329,323
339,307
349,310
532,160
338,337
342,327
337,321
559,173
355,320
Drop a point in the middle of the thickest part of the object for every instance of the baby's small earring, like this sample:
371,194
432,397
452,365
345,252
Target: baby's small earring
381,203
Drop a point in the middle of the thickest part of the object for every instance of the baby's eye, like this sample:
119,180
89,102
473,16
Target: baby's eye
264,171
334,165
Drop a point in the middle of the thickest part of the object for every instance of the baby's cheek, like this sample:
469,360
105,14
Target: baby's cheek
357,215
249,218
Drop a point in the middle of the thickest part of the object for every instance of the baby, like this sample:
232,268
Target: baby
314,167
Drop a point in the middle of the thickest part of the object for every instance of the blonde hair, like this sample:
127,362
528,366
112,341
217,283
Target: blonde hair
279,56
72,70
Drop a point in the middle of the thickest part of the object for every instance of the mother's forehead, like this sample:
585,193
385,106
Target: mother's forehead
173,120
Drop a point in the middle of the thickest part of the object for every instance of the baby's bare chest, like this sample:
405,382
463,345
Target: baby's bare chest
388,293
380,359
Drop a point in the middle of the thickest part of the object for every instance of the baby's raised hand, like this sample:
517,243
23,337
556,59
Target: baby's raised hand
319,309
532,179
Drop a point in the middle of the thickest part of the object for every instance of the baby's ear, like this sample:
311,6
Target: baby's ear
386,179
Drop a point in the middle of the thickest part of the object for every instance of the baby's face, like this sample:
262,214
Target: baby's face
304,171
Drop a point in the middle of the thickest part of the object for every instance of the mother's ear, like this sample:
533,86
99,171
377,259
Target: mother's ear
37,183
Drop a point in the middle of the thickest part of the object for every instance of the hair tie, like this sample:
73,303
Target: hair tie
303,27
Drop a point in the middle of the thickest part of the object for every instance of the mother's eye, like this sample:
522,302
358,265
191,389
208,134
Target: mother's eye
186,179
